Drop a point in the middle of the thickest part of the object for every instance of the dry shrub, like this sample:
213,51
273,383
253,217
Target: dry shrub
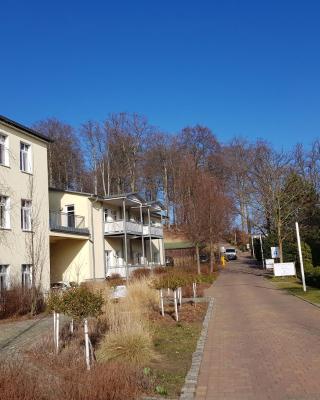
16,383
17,301
161,270
112,381
115,280
140,273
142,296
133,345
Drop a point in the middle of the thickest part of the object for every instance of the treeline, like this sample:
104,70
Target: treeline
203,183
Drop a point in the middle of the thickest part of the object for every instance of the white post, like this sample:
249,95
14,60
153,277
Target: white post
161,303
71,326
194,290
86,340
57,332
262,256
253,254
175,304
180,296
54,328
300,258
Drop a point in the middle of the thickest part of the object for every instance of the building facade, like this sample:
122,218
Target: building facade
24,207
50,235
94,237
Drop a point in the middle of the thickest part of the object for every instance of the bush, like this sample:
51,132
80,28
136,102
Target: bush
140,273
80,303
115,280
16,384
17,301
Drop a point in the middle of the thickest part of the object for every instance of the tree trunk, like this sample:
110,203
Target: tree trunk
198,259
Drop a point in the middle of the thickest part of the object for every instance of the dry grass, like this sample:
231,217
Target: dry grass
104,382
133,345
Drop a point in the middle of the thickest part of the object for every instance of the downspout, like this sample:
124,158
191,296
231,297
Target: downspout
104,245
92,242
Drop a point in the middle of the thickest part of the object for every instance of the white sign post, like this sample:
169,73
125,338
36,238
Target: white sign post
300,258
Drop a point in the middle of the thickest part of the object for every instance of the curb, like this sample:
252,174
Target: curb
189,389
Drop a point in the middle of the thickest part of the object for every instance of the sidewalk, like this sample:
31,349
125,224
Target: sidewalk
262,342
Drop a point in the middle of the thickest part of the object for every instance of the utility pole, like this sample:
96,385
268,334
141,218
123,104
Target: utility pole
300,258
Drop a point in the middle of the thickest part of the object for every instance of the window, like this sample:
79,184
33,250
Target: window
25,157
4,212
4,278
26,215
26,275
110,215
4,150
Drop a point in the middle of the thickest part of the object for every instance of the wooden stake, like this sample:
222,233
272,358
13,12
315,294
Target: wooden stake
57,332
175,304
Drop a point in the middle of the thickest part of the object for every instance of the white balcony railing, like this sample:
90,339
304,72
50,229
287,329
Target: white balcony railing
153,230
118,227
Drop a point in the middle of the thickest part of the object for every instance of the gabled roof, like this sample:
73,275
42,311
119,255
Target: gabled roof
25,129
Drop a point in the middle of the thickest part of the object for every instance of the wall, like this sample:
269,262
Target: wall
15,244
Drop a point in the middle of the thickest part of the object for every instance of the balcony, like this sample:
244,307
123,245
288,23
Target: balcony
153,230
67,223
117,227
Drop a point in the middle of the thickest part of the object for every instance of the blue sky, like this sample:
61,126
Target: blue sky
248,68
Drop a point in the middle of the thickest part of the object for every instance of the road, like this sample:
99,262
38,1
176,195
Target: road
262,342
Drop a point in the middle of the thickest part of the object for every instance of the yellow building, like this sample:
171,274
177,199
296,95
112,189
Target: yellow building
24,206
93,237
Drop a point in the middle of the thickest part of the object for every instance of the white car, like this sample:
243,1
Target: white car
61,285
231,253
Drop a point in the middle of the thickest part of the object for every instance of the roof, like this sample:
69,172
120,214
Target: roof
25,129
178,245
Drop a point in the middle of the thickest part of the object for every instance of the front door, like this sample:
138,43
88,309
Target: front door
70,216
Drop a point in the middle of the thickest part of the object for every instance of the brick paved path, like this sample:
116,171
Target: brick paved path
19,335
262,343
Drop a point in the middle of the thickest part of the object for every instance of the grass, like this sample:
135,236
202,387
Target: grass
293,285
175,343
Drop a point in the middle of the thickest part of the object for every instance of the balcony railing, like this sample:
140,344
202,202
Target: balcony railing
153,230
117,227
135,228
63,222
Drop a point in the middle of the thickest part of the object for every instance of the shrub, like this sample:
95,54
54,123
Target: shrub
17,301
80,303
140,273
16,384
115,280
141,296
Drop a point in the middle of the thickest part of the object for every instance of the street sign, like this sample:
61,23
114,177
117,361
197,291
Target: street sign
284,269
275,252
269,263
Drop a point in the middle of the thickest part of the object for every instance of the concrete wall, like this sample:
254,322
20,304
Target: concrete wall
15,244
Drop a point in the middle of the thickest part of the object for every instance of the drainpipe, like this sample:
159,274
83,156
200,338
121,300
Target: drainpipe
92,242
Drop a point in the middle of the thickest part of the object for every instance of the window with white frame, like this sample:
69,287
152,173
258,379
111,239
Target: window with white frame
4,212
4,277
26,275
25,157
4,150
26,215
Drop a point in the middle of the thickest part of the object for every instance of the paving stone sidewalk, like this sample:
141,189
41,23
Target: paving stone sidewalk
262,342
19,335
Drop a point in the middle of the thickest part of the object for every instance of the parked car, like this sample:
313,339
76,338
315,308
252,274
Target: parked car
231,253
204,258
60,286
169,261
